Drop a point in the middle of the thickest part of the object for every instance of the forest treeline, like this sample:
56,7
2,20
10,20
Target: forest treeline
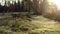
20,6
36,6
10,7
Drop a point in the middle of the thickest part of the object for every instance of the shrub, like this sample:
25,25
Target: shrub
50,16
24,28
34,33
3,32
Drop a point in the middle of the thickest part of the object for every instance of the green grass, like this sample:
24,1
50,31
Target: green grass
21,24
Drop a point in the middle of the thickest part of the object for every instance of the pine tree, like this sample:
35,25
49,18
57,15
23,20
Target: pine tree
8,3
36,6
26,4
19,5
5,3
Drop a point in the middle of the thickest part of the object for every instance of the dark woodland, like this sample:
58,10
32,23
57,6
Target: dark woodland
14,7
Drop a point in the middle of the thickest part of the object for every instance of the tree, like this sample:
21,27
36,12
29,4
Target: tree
19,5
36,6
5,6
45,7
26,4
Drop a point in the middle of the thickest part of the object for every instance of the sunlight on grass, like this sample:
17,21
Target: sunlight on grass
21,24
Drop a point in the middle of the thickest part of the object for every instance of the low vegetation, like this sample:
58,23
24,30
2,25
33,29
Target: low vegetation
27,23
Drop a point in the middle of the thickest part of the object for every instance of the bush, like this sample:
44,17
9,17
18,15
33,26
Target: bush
34,33
3,32
50,16
24,28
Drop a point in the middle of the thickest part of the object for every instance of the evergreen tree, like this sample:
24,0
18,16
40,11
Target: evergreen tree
26,5
36,6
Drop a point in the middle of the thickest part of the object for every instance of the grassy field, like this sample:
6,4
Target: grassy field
25,23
